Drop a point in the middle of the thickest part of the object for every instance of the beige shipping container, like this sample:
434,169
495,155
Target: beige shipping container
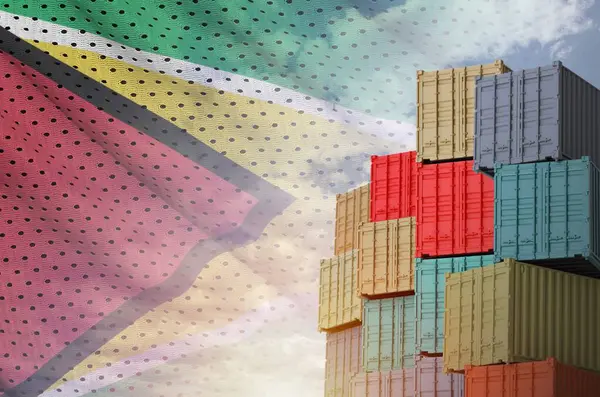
515,312
351,209
339,302
446,109
386,261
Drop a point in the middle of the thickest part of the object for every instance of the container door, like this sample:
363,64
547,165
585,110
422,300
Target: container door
477,211
356,350
363,206
385,240
366,254
540,113
404,328
358,386
341,367
458,320
351,222
493,312
387,335
348,291
403,277
435,115
437,304
324,291
371,335
335,303
518,120
372,384
430,303
515,212
567,192
493,121
401,383
330,364
430,381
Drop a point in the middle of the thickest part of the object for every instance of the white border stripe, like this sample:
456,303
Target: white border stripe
29,29
234,332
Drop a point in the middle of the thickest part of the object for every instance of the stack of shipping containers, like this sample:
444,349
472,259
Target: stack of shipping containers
529,324
340,303
460,269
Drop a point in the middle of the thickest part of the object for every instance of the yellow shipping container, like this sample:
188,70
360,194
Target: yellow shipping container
339,303
514,312
386,261
351,209
445,111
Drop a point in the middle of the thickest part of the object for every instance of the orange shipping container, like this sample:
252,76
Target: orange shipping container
533,379
386,257
351,209
343,352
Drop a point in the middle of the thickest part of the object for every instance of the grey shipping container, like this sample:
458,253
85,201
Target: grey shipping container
539,114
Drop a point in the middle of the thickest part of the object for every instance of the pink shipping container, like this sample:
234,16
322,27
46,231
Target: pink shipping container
426,379
432,382
344,360
396,383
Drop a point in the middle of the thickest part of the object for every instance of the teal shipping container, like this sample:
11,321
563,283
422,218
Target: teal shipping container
389,334
430,282
548,214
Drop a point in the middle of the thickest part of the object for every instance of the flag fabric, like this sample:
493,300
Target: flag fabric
169,172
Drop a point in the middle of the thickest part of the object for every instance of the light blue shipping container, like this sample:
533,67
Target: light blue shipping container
389,334
430,281
548,214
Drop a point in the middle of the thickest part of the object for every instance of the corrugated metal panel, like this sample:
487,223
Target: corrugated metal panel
343,352
534,115
430,381
430,281
542,214
339,301
515,312
352,208
389,334
386,260
533,379
425,380
393,186
445,111
455,210
402,383
374,384
397,383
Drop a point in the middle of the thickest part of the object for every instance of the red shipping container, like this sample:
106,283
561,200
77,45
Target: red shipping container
455,210
532,379
393,186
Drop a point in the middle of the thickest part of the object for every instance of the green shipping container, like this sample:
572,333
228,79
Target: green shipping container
514,312
389,334
547,213
430,280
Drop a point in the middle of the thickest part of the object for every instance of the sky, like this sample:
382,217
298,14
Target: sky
524,33
282,353
287,357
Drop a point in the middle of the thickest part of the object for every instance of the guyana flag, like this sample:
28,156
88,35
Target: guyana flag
168,173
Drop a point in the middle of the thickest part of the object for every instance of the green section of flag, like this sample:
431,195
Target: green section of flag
337,50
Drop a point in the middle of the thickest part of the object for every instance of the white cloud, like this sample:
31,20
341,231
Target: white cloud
433,34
